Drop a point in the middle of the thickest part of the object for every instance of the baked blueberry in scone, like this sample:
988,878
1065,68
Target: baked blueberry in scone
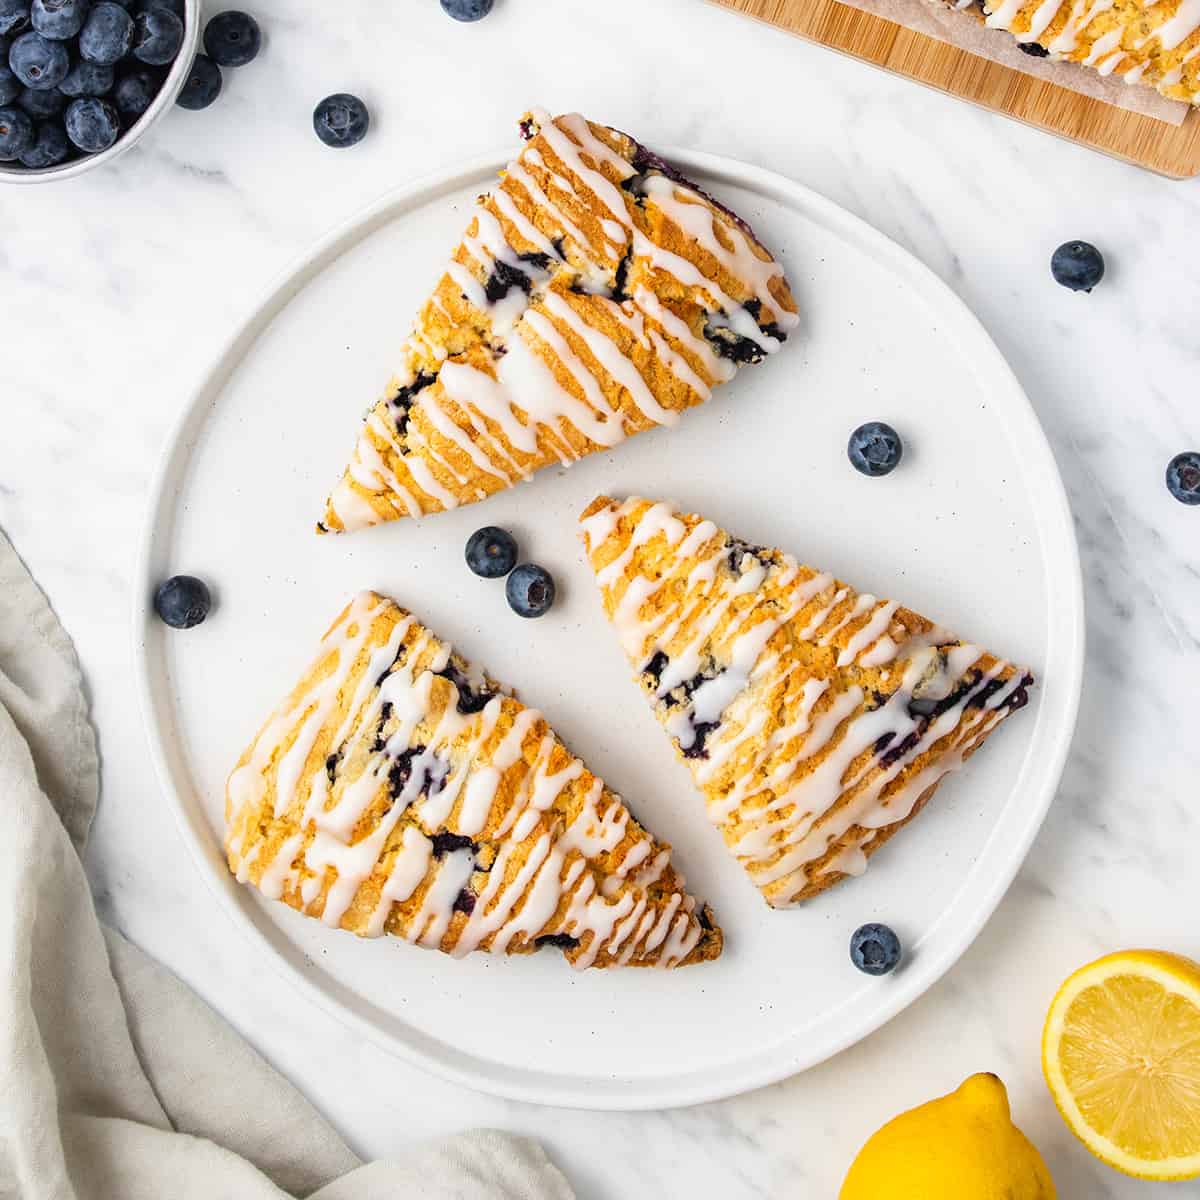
399,790
595,295
816,720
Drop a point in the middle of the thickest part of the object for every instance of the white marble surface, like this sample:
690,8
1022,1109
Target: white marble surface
116,289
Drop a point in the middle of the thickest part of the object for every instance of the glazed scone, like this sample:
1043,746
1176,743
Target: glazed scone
1152,42
397,790
815,720
595,295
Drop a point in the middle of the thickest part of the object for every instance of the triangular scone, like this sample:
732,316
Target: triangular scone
397,790
816,720
595,295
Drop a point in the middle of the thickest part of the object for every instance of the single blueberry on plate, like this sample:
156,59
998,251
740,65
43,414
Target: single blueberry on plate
1077,265
232,39
38,62
157,36
529,590
58,19
341,120
14,16
42,102
16,133
87,79
135,92
182,601
491,552
1183,477
874,949
467,10
10,85
202,86
92,124
50,147
875,449
107,34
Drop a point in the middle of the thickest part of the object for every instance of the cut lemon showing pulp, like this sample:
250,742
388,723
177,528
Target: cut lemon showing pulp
1121,1054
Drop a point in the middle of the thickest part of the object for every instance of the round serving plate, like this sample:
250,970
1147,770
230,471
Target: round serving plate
973,530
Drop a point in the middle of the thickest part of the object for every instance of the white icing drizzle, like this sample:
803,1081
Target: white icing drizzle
345,842
1182,25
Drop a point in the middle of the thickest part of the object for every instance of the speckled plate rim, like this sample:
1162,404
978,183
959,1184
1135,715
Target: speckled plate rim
1038,781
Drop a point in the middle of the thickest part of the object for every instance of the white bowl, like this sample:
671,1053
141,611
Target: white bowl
162,103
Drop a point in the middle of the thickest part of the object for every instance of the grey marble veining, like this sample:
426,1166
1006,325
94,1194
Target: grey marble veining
117,288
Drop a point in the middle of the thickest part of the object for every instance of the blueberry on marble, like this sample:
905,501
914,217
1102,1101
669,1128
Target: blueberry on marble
491,552
107,34
157,36
874,949
41,103
38,62
16,133
341,120
49,147
1183,477
92,124
467,10
182,601
875,449
530,590
202,86
135,92
14,16
87,79
58,19
232,39
1077,265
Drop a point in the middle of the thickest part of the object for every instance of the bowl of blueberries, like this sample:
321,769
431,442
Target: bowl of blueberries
82,80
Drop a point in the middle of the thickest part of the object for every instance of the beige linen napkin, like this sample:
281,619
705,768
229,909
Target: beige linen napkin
116,1082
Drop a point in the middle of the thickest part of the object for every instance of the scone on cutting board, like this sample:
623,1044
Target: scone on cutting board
815,720
596,294
398,790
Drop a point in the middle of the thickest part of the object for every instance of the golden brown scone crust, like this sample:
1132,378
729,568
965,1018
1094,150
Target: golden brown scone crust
816,720
592,298
396,790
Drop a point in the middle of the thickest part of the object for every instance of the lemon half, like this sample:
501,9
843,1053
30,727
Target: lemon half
1121,1055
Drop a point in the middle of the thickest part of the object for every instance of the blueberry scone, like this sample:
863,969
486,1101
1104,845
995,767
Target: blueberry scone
596,294
816,720
397,790
1154,42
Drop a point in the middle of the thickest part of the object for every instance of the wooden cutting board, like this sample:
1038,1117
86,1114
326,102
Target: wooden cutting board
1172,150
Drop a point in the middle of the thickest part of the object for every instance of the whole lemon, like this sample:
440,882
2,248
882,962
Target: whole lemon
963,1146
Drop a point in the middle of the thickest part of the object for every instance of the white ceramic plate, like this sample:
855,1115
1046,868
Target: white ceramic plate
974,530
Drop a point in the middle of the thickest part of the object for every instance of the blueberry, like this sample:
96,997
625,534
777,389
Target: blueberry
1183,477
875,448
42,103
107,34
467,10
1033,49
202,86
176,6
157,36
50,146
182,601
491,552
14,16
87,79
1077,265
38,62
529,590
92,124
58,19
341,120
16,133
10,85
874,949
135,92
232,39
